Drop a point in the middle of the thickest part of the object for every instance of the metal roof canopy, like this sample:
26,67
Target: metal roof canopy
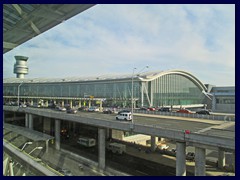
22,22
31,134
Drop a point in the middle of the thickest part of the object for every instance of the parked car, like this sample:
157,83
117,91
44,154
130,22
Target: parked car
108,111
184,111
127,116
83,108
203,111
23,105
59,108
93,109
164,109
127,111
151,109
71,111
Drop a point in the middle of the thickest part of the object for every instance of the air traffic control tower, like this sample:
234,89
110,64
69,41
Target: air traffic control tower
20,67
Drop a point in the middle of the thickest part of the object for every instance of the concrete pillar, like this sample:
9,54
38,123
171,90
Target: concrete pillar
57,134
31,102
181,159
47,142
46,103
101,148
89,103
221,158
62,103
30,121
154,141
79,104
200,159
70,103
26,120
11,172
100,108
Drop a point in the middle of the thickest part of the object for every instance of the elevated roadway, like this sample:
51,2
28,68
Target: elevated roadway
200,132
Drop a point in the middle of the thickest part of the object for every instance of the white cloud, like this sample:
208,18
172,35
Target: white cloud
109,39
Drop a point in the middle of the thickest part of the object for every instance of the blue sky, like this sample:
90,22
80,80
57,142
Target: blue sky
113,39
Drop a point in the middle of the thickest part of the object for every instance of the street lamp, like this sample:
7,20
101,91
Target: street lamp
19,92
132,86
35,149
27,143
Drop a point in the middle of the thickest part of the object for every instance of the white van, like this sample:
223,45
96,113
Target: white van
127,116
116,148
85,141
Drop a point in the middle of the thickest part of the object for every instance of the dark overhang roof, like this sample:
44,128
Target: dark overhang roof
22,22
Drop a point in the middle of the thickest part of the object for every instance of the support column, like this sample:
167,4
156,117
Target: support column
89,103
181,159
30,121
100,108
101,148
46,104
47,142
154,141
79,103
26,120
221,158
57,134
11,172
62,103
200,159
70,103
31,102
142,94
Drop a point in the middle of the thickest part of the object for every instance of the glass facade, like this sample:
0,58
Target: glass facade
164,90
174,89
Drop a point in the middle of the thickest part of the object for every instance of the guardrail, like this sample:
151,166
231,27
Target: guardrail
194,115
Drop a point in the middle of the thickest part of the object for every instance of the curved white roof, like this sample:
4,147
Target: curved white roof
146,76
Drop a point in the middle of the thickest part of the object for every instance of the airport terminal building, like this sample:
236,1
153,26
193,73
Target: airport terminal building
162,88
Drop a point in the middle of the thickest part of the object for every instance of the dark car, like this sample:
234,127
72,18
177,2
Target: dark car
83,108
164,109
108,111
204,111
71,111
127,111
